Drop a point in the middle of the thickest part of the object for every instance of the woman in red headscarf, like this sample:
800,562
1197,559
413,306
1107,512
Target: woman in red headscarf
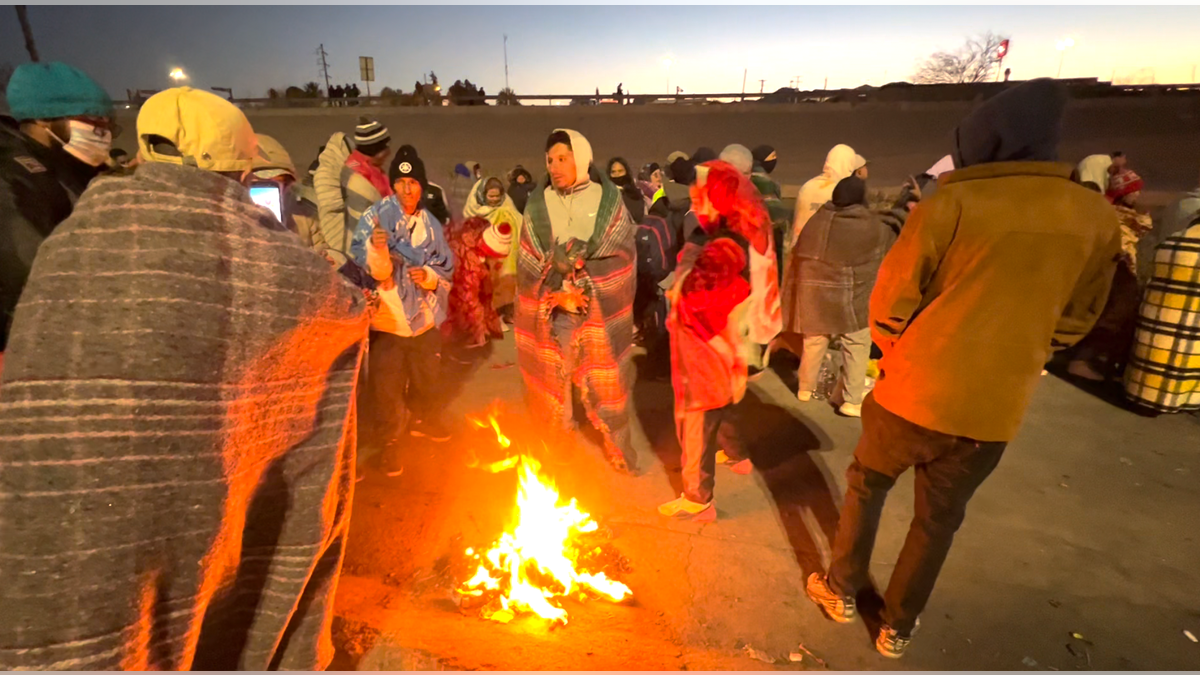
713,304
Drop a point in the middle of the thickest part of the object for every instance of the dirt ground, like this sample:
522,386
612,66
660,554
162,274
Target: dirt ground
1087,528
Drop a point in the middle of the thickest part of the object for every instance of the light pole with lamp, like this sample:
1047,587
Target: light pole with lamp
177,75
668,62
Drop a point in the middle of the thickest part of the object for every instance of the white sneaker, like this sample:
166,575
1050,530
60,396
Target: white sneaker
804,396
851,410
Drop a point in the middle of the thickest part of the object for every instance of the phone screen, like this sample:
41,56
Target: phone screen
268,196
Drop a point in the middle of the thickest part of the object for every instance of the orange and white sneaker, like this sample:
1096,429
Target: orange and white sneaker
891,643
838,608
686,509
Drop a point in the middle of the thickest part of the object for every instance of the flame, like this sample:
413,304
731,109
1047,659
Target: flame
533,564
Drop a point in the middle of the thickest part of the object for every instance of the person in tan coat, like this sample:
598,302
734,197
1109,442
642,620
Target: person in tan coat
1007,262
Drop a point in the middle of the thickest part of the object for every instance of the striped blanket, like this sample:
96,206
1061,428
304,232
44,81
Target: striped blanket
176,436
1163,372
603,341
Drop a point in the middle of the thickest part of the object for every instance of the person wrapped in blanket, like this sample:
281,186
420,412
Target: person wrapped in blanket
403,249
472,318
712,307
575,289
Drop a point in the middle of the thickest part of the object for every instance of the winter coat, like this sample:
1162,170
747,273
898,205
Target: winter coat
1009,261
38,189
336,223
831,271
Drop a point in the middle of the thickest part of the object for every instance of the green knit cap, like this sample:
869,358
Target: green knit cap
47,91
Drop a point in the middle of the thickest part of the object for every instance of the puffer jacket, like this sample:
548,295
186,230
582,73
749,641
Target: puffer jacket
336,223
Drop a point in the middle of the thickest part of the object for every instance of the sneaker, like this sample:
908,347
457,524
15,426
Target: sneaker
1085,370
851,410
686,509
836,607
804,396
431,430
742,468
892,644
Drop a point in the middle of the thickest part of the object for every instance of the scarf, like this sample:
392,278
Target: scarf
361,164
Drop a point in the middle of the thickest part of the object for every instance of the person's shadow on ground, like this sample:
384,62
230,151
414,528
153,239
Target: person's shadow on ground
778,443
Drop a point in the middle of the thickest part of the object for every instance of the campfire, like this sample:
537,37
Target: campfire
543,557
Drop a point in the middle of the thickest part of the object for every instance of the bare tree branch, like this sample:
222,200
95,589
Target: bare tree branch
975,61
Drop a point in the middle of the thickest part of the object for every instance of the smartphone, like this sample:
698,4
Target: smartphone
269,196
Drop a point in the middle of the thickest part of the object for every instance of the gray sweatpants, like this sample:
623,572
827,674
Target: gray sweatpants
856,354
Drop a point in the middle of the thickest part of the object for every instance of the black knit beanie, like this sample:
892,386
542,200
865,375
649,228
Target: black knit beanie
406,164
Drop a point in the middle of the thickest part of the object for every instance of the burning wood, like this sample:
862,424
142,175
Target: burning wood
543,557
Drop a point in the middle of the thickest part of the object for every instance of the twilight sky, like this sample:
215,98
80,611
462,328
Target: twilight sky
574,49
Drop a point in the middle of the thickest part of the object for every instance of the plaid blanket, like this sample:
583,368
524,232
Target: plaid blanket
176,436
604,339
1164,367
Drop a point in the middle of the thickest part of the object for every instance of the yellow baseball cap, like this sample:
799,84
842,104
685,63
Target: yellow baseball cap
272,159
206,131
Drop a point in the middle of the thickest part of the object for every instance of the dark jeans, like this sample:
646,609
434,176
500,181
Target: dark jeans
401,376
949,470
701,434
1112,336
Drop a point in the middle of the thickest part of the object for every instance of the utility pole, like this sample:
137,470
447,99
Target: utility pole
506,62
23,19
324,67
744,74
826,87
762,86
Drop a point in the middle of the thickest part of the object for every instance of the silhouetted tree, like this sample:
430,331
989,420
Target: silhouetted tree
507,97
312,90
975,61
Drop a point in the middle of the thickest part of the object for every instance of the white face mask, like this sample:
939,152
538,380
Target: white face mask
89,144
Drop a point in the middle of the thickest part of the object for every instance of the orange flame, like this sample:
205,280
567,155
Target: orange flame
534,564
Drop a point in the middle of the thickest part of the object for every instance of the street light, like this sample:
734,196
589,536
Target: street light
668,62
1063,45
178,75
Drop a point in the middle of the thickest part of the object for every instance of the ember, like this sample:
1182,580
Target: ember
537,562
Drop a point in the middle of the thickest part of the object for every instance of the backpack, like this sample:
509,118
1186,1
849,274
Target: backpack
657,249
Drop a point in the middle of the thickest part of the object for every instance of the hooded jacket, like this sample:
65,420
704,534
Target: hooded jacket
520,191
594,216
1009,261
839,163
1094,169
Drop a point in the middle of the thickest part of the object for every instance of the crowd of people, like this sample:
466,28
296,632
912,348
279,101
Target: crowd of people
186,378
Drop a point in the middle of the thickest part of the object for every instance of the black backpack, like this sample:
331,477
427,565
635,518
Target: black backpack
657,249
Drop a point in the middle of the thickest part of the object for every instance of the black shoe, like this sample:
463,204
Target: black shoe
432,430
